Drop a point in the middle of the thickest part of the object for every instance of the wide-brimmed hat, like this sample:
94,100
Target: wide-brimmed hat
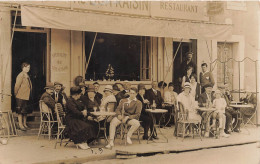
108,88
141,86
49,86
75,90
186,85
162,84
91,88
208,86
217,92
58,83
81,84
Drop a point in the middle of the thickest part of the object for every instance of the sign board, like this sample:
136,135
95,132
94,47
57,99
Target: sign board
157,9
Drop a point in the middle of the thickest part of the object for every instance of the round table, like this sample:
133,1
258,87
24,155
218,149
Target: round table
106,115
152,112
239,116
209,112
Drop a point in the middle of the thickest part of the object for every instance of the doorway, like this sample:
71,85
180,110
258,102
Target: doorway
30,47
185,47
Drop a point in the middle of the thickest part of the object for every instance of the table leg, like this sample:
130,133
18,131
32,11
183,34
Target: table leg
160,128
105,130
153,130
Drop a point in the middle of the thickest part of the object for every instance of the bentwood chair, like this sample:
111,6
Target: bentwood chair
47,120
183,123
61,127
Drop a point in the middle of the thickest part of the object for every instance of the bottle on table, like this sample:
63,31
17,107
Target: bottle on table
153,105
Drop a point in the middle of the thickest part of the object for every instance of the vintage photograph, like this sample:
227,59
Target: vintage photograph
129,81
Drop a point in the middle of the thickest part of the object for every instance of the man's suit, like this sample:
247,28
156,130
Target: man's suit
151,95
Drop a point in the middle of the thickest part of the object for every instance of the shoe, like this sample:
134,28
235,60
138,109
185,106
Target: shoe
110,145
206,134
83,146
21,128
145,137
3,141
26,127
128,140
236,130
224,135
155,137
226,131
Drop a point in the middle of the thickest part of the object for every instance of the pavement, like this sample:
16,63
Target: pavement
29,149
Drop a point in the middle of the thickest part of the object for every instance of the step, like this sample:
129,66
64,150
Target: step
31,132
33,124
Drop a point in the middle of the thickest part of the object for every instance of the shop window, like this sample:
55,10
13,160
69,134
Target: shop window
145,65
117,57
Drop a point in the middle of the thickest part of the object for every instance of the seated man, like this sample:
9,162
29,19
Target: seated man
230,112
48,100
128,112
154,95
47,96
98,96
59,97
206,99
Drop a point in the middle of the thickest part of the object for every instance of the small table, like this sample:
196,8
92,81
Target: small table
238,107
106,115
152,112
209,111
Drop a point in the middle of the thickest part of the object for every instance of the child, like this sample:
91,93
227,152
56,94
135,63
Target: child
220,104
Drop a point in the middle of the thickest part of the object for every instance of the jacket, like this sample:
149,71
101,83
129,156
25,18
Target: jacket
23,86
150,95
133,110
48,100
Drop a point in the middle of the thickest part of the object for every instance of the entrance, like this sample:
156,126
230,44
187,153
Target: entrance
180,57
30,47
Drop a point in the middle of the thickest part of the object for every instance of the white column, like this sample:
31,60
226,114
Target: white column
5,59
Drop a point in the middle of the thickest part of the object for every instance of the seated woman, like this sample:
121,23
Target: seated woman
77,129
127,112
108,97
147,121
170,98
195,87
188,103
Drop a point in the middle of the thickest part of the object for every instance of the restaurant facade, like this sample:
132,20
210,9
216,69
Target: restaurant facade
137,41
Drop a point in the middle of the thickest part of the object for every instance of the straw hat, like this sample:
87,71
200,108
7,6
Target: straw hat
58,83
217,92
187,85
75,90
91,88
108,88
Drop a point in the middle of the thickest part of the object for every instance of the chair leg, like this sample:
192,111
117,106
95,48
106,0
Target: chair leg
138,133
49,130
40,129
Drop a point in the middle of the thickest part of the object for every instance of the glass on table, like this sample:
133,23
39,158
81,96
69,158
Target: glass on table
95,109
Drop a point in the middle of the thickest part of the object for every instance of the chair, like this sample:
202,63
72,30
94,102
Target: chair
4,126
183,123
61,126
247,114
47,120
124,130
111,106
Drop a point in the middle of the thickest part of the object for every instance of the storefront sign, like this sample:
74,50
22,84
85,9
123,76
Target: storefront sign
161,9
58,63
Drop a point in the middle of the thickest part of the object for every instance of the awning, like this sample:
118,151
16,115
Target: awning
99,22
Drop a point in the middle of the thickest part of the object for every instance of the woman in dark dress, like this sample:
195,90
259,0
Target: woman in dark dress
147,121
78,130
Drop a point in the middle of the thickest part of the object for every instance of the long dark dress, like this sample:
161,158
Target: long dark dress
77,128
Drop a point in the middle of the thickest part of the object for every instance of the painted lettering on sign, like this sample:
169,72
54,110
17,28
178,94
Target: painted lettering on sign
179,7
58,63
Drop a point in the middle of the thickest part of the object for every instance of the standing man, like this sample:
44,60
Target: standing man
206,77
98,96
187,63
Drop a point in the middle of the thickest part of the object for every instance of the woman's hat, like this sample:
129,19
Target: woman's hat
58,83
108,88
171,84
141,86
217,92
75,90
115,87
49,86
81,84
208,86
187,85
91,88
162,84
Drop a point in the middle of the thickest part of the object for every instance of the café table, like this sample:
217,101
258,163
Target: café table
153,112
105,115
237,107
209,112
